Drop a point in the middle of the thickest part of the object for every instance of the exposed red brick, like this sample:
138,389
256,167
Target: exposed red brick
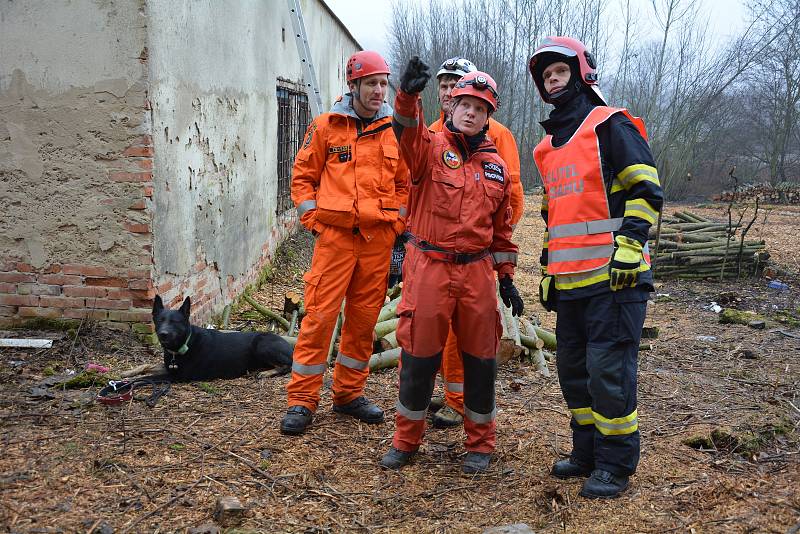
122,176
62,302
83,291
86,270
140,284
135,316
97,315
19,300
146,164
8,288
107,282
200,284
108,304
166,286
138,151
142,303
148,191
137,205
24,267
137,228
138,273
17,277
52,269
38,289
147,104
50,313
200,265
60,279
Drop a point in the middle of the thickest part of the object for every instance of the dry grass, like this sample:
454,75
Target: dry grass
69,466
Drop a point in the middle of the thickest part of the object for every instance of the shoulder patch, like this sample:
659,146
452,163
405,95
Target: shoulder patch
310,135
493,171
451,158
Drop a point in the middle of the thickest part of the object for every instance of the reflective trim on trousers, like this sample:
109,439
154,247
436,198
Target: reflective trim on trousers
583,416
584,228
618,426
480,418
301,369
581,253
406,122
306,205
352,363
502,257
403,211
414,415
454,387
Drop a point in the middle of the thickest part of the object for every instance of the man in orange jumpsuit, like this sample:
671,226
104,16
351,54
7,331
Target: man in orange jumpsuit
451,414
459,232
350,187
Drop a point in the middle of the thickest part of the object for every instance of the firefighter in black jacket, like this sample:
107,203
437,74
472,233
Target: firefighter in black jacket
602,193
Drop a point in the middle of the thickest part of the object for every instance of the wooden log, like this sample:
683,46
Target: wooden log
226,316
293,323
385,359
389,310
291,302
292,340
383,328
535,344
548,337
389,341
335,334
269,314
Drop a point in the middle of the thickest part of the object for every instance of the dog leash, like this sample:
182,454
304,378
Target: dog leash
119,391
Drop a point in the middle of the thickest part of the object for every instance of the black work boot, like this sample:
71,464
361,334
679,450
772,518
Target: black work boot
296,420
395,458
362,409
603,485
476,462
570,468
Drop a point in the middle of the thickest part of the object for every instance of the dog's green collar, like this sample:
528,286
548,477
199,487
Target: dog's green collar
185,347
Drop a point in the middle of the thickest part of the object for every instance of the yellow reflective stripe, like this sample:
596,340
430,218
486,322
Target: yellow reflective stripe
639,207
583,416
618,426
572,281
633,174
616,186
545,202
407,122
545,239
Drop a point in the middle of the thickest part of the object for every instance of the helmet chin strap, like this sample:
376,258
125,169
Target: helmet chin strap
569,92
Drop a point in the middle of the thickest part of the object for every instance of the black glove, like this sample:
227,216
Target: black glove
510,296
415,77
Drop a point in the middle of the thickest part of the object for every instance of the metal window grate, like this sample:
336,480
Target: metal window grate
293,119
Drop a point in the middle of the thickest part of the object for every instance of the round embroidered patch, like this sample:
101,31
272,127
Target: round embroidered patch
451,159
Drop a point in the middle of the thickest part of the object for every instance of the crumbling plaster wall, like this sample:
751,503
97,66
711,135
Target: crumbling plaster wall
71,100
213,72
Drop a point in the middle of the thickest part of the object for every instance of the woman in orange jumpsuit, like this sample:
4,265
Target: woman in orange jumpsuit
458,232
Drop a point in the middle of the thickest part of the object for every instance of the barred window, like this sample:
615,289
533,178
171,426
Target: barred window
293,119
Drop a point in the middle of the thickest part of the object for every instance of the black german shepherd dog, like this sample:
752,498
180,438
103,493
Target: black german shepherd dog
194,353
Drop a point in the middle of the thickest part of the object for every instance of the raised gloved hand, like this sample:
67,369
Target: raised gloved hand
624,266
510,296
416,76
548,294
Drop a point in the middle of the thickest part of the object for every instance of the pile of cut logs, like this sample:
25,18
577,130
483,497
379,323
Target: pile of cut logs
693,247
782,193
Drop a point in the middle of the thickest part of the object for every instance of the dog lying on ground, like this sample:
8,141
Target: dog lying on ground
194,353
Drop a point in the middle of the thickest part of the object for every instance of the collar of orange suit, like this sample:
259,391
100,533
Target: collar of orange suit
344,106
472,142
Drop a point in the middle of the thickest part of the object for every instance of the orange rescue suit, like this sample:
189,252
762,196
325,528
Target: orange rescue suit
460,204
350,187
503,139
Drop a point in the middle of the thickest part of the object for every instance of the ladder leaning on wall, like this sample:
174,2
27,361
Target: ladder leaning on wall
304,51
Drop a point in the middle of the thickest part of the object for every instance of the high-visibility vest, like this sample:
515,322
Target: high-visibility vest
579,224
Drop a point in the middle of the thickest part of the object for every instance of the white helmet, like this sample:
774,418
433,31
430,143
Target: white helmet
456,66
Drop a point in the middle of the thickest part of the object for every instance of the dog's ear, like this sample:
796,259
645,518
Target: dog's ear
158,305
186,307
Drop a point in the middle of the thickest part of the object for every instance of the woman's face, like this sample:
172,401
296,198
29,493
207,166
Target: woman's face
470,114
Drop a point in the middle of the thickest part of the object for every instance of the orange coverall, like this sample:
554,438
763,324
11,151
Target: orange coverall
350,186
461,230
452,369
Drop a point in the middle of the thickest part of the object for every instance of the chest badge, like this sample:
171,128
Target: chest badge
451,159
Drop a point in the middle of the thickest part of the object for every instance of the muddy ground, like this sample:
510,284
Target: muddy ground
719,413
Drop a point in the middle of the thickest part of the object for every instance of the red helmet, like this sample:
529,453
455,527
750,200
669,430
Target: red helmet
477,84
570,51
365,63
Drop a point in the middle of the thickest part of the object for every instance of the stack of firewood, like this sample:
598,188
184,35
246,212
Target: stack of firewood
782,193
693,247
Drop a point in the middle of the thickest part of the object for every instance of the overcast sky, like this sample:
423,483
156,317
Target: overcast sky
368,21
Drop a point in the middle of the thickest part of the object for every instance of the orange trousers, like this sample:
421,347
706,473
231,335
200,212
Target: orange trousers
438,296
347,264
